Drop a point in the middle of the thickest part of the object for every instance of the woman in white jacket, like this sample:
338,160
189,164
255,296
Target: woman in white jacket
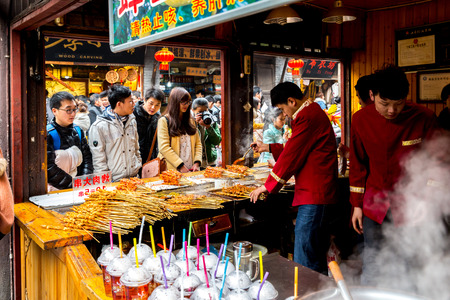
178,139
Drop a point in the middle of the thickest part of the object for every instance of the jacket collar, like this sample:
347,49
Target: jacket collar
305,104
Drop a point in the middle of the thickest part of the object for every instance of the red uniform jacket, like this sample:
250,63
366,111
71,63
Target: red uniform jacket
311,155
376,151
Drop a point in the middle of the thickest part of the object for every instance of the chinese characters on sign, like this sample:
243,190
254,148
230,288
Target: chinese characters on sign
195,53
86,184
315,68
431,85
416,51
190,71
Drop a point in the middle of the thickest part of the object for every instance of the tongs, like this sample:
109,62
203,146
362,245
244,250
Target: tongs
243,157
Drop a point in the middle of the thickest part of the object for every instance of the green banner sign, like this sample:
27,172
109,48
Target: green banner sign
134,23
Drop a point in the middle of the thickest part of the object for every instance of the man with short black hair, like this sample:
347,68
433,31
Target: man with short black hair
209,131
95,108
200,94
113,138
364,92
309,155
68,153
104,99
216,109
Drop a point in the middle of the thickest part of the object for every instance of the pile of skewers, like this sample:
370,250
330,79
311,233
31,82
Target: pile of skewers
176,202
233,171
172,177
237,169
236,191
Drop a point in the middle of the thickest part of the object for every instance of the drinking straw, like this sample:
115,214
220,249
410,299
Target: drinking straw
261,270
207,239
164,238
189,234
218,260
110,235
224,277
262,283
204,269
225,248
142,229
170,249
164,272
135,253
184,239
239,256
198,254
152,238
296,283
187,260
120,245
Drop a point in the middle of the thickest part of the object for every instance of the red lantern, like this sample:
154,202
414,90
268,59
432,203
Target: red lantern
296,65
164,56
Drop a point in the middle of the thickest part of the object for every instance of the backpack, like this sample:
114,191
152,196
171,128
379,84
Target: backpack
55,135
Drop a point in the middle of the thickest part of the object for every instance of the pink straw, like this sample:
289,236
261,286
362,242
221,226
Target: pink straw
206,275
187,260
110,234
207,238
164,272
170,249
198,254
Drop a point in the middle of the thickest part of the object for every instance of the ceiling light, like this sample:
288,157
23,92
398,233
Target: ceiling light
282,15
339,14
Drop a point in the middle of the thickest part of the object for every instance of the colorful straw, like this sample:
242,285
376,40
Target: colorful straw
239,256
110,235
152,238
170,249
198,254
120,245
225,248
204,269
135,253
189,234
164,239
224,277
184,239
142,229
261,269
296,283
207,239
262,283
218,260
164,272
187,260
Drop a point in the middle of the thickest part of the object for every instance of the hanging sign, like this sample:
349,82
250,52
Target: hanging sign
316,68
134,23
190,71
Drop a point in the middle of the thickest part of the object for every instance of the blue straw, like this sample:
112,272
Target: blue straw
184,239
223,279
239,256
225,247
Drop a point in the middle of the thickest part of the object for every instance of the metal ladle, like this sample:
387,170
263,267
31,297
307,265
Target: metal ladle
342,285
243,157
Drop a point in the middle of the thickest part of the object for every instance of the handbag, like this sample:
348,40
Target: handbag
155,166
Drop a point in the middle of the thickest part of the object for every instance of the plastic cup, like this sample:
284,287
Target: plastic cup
166,255
187,283
182,265
238,295
143,251
172,273
205,293
226,288
200,274
192,253
116,268
108,246
161,293
238,279
268,291
153,264
221,269
136,282
103,260
210,261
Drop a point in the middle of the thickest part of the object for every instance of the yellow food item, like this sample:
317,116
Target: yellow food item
177,3
258,125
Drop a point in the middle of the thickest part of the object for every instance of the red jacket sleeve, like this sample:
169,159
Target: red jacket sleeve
358,167
298,147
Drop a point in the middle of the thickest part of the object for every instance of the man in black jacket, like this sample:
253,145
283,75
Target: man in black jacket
147,115
68,153
95,109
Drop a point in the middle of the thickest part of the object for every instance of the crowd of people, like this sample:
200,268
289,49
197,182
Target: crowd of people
116,130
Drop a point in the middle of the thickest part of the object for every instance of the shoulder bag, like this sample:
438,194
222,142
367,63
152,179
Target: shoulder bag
154,167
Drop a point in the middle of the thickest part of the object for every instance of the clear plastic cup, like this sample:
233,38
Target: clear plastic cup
238,295
136,282
116,268
172,273
268,291
143,251
187,283
210,261
182,265
192,253
226,288
103,260
161,293
166,255
201,274
238,279
104,247
221,269
203,292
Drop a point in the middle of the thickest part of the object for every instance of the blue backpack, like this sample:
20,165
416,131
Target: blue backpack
55,135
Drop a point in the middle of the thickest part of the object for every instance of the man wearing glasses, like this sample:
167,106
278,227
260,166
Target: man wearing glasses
68,153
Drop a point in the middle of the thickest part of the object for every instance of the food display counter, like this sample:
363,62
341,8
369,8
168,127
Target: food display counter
57,264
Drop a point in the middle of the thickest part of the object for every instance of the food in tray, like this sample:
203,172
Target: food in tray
175,201
170,177
213,172
130,184
237,191
237,169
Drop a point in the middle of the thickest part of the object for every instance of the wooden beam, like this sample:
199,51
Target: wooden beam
47,13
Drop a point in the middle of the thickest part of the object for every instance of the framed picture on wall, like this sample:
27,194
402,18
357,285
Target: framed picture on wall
430,85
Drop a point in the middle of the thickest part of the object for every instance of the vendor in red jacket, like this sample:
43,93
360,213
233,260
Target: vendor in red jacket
311,156
381,136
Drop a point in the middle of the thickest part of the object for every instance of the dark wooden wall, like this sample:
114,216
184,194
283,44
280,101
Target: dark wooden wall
380,41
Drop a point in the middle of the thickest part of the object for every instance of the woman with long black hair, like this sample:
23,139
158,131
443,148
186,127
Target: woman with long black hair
178,139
